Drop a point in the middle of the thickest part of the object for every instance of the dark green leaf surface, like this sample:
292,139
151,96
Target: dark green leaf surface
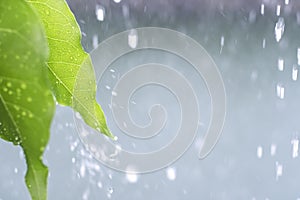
26,102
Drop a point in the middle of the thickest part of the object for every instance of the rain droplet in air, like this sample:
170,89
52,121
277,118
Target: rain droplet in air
295,144
171,173
100,13
262,9
295,73
132,38
114,93
110,190
279,29
279,170
298,56
278,9
280,64
95,41
99,184
82,170
221,44
259,151
280,90
131,177
252,16
273,149
286,2
117,1
264,43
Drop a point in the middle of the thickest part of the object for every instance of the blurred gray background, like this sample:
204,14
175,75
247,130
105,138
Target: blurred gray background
254,44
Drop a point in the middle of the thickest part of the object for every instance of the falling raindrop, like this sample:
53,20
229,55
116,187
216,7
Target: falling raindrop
295,73
278,8
280,64
295,143
131,177
259,151
262,9
279,170
280,90
117,1
114,93
171,173
264,43
95,41
82,170
99,184
279,29
110,190
133,38
252,16
221,44
100,12
286,2
16,170
110,176
273,149
298,56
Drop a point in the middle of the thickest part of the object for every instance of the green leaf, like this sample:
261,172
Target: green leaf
68,63
26,102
